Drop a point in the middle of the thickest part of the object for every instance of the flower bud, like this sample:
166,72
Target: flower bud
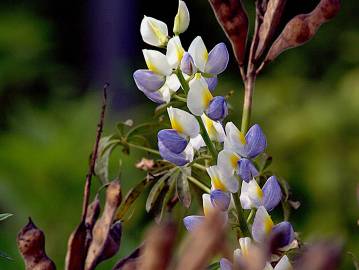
154,32
217,108
182,18
147,80
172,140
187,64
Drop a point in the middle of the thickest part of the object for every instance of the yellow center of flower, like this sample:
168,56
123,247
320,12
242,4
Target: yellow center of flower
218,184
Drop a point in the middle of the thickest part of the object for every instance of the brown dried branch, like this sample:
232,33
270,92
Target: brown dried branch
233,18
101,230
129,261
31,244
302,28
78,241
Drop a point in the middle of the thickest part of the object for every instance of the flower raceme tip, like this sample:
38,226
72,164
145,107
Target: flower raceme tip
182,18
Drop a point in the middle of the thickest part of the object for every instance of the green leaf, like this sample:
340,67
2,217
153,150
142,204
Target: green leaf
5,256
5,216
263,161
105,149
213,266
132,195
141,129
182,186
156,190
122,126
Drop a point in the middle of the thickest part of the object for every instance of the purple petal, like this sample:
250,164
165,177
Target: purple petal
155,97
217,109
211,82
256,141
220,199
246,169
172,140
148,81
225,264
178,159
272,193
191,222
217,59
187,64
282,235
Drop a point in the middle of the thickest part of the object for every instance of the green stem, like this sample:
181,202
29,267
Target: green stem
199,184
247,105
207,140
204,132
180,98
250,216
199,166
183,81
153,151
241,219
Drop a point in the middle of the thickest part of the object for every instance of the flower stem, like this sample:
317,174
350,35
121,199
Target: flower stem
250,216
247,104
241,219
204,132
140,147
199,184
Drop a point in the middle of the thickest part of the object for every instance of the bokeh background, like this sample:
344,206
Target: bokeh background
56,55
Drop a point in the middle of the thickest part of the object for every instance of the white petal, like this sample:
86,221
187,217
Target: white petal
283,264
235,137
182,19
207,205
199,53
198,96
173,83
255,193
245,244
189,152
214,129
197,142
174,52
154,32
268,266
220,180
262,225
183,122
228,161
157,62
244,197
165,93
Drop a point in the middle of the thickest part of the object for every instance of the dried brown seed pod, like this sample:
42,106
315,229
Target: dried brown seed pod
31,244
233,18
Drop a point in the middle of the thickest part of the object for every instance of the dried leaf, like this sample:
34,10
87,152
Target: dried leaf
163,204
271,20
157,251
203,243
303,27
132,195
233,18
104,151
31,244
183,190
130,258
145,164
113,242
102,227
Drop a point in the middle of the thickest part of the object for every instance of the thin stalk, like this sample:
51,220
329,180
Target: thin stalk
247,104
250,216
180,98
150,150
241,219
199,166
199,184
183,81
206,139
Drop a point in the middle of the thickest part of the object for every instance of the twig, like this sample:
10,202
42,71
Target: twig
91,169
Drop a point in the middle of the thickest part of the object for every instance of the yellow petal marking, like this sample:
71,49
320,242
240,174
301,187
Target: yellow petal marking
161,37
268,225
151,66
242,138
176,125
259,192
234,160
209,126
218,184
207,97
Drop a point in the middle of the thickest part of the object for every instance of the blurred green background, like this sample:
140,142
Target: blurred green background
54,57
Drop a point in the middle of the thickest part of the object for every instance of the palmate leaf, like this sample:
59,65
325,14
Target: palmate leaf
132,195
182,187
157,189
107,144
5,216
